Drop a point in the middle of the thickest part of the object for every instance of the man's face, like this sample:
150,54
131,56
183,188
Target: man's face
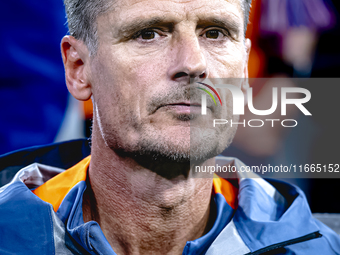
151,53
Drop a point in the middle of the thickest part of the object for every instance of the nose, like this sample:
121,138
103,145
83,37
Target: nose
189,61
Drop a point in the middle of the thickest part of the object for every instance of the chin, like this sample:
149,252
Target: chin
180,144
173,143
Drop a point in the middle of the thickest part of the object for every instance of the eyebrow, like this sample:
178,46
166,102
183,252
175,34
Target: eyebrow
232,25
140,24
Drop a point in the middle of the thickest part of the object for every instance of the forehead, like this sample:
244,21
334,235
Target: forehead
182,3
179,10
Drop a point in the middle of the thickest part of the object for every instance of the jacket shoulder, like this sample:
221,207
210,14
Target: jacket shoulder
29,225
26,225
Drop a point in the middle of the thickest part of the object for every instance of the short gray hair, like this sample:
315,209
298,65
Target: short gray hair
82,18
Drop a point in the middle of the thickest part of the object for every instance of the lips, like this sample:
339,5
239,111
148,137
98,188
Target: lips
185,97
182,107
185,104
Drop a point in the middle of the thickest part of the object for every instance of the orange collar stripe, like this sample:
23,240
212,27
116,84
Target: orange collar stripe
54,190
225,188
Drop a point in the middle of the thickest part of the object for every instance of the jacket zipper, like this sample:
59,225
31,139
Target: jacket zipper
280,246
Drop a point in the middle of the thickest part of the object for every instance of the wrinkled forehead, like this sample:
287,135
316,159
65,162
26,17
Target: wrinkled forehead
146,3
174,10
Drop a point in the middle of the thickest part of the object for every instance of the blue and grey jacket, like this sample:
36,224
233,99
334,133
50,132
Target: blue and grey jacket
41,210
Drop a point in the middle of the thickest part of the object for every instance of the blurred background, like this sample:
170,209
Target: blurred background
290,39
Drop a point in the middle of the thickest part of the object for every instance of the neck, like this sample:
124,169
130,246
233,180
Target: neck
141,211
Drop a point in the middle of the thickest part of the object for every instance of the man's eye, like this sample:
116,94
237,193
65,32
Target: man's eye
213,34
148,35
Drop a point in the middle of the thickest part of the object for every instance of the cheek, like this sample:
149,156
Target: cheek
127,79
140,65
110,91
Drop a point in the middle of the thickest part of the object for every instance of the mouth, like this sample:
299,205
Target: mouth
182,107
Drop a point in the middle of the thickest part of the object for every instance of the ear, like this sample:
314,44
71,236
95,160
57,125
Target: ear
76,63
